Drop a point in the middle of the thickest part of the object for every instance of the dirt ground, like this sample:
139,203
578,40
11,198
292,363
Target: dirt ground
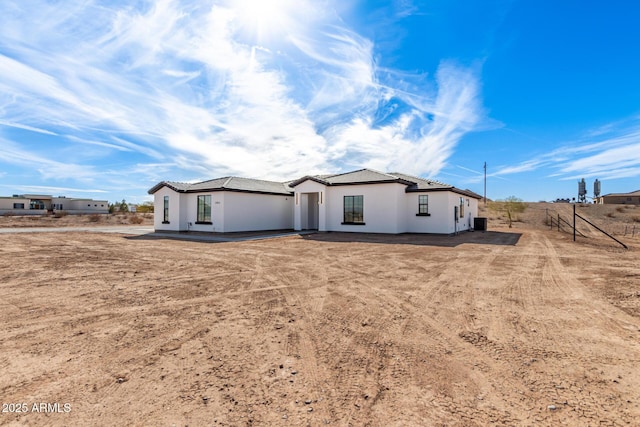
516,327
62,220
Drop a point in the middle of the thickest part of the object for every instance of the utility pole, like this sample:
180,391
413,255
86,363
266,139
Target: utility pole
485,183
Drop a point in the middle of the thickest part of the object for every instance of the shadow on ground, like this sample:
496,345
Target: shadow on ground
477,237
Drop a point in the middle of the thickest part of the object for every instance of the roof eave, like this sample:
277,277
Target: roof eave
159,185
308,178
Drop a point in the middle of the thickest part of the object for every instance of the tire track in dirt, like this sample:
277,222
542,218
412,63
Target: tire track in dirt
549,291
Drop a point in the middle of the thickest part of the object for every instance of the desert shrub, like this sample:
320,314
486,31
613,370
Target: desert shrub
611,215
509,208
636,218
60,214
620,209
135,219
9,214
94,218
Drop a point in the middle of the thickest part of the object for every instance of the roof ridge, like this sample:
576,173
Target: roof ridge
429,180
227,181
360,170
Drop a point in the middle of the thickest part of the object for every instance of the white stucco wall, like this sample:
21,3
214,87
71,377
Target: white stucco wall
382,208
6,203
230,211
83,205
440,219
441,209
6,207
189,212
174,210
387,209
252,212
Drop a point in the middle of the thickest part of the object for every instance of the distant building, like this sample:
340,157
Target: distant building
620,199
38,204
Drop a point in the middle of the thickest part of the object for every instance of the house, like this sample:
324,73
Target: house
632,198
38,204
360,201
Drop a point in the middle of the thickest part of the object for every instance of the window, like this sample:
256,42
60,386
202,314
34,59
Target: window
36,204
461,211
165,218
18,206
204,210
353,210
423,205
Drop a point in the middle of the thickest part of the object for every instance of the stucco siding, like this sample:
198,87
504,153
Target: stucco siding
190,208
381,213
253,212
83,205
174,210
7,203
440,219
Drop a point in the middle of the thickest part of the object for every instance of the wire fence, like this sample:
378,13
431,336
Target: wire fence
568,224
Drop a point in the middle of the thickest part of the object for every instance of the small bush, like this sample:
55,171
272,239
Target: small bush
620,209
94,218
9,214
611,215
636,219
60,214
136,219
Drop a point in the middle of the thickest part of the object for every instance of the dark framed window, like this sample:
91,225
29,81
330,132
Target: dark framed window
165,215
423,205
204,209
353,210
18,206
36,204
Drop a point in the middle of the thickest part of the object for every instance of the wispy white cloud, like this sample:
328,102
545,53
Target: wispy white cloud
26,127
11,153
57,190
607,152
219,87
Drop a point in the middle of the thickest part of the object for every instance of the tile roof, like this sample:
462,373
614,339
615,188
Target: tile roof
229,183
369,176
633,193
361,176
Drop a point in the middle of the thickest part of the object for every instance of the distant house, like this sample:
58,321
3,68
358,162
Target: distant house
620,198
360,201
34,204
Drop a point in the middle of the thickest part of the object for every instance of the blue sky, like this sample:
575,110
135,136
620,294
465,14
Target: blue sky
105,99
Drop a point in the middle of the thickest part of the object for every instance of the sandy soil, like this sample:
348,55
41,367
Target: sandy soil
93,220
515,326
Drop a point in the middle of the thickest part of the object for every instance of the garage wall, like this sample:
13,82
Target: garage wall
253,212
